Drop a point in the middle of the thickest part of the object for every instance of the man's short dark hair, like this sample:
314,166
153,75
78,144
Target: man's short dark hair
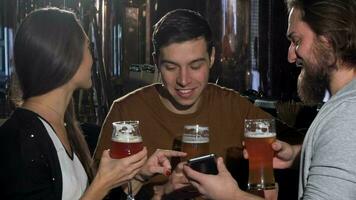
179,26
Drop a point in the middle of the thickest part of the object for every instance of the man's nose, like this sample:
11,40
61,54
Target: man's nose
184,76
292,56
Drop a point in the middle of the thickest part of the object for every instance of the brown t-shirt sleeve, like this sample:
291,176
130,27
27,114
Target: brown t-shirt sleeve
104,140
255,112
249,111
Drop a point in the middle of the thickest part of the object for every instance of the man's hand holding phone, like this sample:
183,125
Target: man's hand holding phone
205,164
219,186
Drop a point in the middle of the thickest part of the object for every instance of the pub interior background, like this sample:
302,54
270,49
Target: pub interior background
251,54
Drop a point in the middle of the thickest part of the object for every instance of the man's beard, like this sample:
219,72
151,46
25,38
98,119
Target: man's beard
314,78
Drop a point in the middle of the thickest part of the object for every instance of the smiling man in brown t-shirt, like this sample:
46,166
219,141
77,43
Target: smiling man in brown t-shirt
183,54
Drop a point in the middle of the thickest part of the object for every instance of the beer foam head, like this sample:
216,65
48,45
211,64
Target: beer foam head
197,128
123,128
194,139
260,127
127,138
126,132
195,134
260,134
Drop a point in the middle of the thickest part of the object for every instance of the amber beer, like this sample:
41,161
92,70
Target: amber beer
195,141
258,140
121,148
125,140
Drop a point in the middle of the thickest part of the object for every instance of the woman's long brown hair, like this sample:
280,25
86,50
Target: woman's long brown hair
48,51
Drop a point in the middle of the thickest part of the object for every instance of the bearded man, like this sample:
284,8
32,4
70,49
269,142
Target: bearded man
323,43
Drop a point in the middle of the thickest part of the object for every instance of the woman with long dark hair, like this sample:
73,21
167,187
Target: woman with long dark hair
45,155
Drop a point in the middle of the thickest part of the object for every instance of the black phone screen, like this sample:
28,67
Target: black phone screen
204,164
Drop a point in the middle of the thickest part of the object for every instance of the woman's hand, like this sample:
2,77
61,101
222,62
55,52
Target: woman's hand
158,163
114,172
176,181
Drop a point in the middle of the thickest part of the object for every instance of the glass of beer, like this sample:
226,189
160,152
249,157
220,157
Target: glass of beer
125,141
195,141
259,135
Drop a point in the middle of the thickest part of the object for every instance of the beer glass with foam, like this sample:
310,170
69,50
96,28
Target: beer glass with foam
125,141
195,141
259,135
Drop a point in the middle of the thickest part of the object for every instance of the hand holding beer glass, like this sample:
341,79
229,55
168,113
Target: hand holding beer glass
195,141
125,141
259,135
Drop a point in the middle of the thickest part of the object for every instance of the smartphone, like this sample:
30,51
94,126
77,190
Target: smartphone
205,164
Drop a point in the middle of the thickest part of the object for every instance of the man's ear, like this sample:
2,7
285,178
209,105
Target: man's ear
212,57
325,40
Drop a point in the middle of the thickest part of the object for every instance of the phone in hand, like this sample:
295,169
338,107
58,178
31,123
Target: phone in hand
205,164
